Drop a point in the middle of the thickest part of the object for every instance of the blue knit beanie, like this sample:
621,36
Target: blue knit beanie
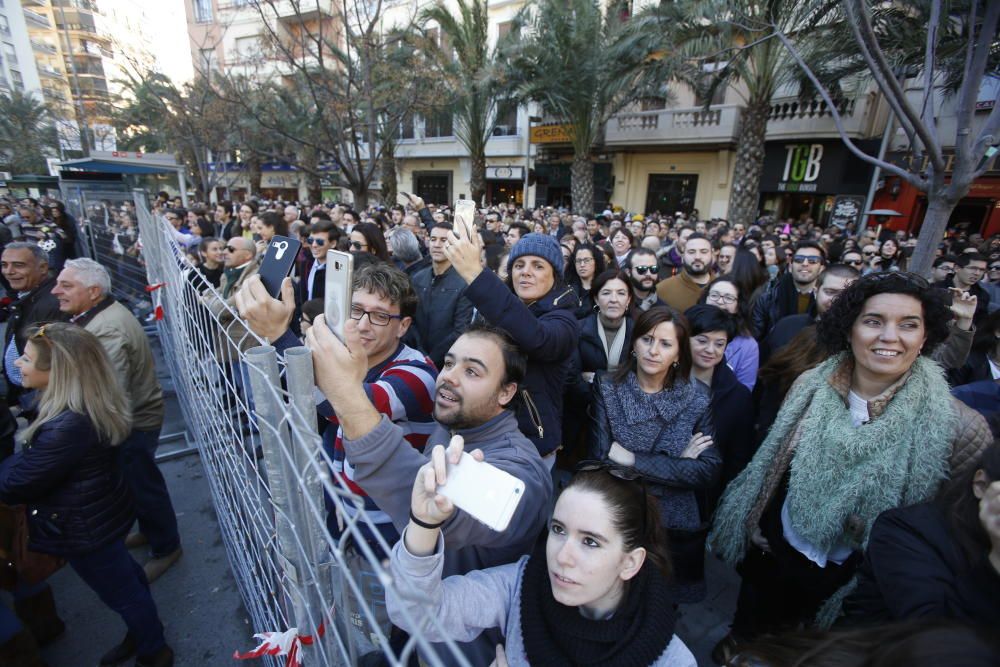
538,245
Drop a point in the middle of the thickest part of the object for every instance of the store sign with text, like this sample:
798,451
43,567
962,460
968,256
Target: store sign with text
813,167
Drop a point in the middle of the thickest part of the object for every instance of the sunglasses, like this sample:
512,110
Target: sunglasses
643,270
855,262
995,268
315,241
618,471
867,253
358,245
807,259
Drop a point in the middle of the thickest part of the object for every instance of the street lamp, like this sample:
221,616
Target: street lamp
527,159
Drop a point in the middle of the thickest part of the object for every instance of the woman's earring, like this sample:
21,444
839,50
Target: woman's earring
633,353
675,364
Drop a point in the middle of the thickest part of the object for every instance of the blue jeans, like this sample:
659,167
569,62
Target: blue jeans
121,584
157,520
10,624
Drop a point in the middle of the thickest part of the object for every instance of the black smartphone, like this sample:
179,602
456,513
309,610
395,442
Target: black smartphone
277,262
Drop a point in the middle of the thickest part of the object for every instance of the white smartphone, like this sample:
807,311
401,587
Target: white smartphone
338,290
489,494
465,215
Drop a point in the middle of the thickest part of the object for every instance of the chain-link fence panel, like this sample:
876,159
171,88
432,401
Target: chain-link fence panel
253,416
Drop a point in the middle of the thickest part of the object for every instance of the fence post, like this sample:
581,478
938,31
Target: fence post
269,407
309,465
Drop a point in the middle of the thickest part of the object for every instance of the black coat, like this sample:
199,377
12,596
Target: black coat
443,312
546,331
733,418
779,299
76,498
976,369
915,568
590,357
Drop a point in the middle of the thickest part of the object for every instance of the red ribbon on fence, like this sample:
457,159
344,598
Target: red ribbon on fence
153,288
286,643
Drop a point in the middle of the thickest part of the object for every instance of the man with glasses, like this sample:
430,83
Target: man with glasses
792,293
992,284
943,268
443,312
970,267
853,259
323,235
643,269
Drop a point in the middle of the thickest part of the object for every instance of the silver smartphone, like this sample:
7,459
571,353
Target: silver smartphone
484,491
338,290
465,216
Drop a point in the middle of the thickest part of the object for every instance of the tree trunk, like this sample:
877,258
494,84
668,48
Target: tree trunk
939,208
360,196
582,184
387,168
477,179
253,174
744,195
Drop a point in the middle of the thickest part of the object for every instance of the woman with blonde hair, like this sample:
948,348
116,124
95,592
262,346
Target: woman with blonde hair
67,475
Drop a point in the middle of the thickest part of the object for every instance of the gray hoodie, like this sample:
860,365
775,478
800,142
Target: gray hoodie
385,466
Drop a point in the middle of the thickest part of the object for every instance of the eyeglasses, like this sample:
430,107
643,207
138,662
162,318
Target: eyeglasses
727,299
358,245
643,270
807,259
584,260
867,253
854,262
376,317
316,241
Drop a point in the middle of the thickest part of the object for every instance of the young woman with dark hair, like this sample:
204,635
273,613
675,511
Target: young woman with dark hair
594,591
585,263
871,428
649,414
743,352
367,237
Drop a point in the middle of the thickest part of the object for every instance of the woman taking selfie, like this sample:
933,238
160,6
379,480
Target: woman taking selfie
78,504
651,416
594,592
869,429
536,308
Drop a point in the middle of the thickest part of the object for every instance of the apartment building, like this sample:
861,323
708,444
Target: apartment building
17,60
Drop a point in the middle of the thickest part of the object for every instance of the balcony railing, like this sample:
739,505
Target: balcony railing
45,70
35,17
718,124
791,117
43,47
304,10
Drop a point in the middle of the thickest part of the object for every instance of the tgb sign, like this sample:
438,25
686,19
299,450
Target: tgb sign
802,167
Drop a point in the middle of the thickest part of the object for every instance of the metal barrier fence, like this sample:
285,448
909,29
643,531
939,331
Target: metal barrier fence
253,417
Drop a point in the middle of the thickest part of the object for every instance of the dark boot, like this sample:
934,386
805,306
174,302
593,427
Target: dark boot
120,653
21,650
39,614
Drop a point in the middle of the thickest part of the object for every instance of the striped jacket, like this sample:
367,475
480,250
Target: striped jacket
401,388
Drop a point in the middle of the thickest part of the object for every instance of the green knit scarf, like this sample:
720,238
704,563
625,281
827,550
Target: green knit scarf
838,470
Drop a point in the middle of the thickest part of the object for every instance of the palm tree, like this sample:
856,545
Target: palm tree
27,134
582,67
730,43
467,64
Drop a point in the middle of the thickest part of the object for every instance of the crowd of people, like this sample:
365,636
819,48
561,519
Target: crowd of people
783,396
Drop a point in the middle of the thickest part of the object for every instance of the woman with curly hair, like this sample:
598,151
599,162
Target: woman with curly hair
871,428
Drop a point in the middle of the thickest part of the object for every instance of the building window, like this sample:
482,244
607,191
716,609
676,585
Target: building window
202,11
406,127
247,47
4,25
10,52
438,125
503,29
506,120
208,60
17,79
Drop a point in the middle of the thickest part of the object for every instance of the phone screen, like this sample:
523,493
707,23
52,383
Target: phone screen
277,263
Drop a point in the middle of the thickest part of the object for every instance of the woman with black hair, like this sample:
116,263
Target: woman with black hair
937,559
367,237
585,263
621,242
743,351
268,225
651,415
593,592
871,428
712,331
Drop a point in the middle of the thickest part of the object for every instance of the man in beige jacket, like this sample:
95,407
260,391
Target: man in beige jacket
83,289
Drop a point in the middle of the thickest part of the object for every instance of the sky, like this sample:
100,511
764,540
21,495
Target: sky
160,27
